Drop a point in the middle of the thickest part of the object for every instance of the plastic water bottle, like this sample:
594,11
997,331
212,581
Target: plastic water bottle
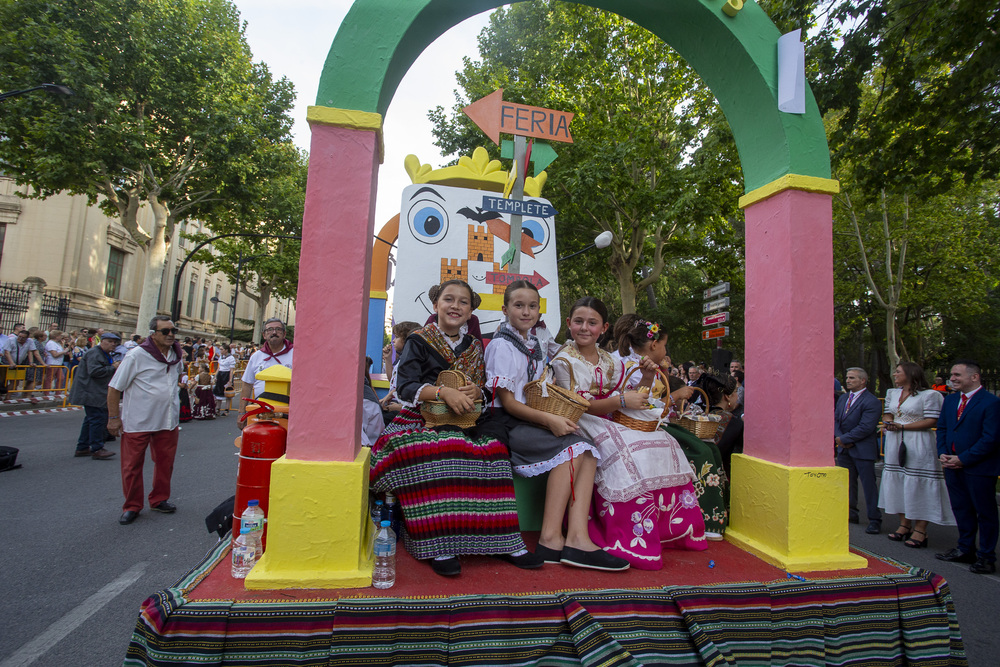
253,518
391,513
384,574
245,551
377,510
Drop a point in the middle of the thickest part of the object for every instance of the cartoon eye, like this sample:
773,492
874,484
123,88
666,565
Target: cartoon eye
428,222
538,230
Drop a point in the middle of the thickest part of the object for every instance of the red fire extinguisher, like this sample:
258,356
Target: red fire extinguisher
263,442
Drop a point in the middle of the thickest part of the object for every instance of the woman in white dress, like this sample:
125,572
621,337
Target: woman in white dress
912,481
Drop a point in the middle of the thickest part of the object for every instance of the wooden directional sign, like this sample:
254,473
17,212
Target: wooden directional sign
492,115
499,278
713,292
532,209
709,334
715,305
713,320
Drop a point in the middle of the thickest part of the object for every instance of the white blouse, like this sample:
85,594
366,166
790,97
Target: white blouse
507,367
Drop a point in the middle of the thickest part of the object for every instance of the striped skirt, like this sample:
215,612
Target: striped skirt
455,491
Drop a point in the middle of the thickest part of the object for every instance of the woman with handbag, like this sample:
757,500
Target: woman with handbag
454,485
912,480
543,442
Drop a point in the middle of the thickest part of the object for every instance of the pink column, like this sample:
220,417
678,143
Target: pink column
789,329
332,303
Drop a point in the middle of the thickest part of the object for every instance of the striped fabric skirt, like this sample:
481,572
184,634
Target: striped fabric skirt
455,490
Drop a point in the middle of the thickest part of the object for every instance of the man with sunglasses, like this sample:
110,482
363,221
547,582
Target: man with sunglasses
148,417
275,350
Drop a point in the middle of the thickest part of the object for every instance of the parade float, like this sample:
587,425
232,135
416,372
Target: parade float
777,591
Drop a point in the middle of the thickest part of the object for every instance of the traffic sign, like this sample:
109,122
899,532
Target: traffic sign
542,155
715,305
528,207
712,320
713,292
492,115
709,334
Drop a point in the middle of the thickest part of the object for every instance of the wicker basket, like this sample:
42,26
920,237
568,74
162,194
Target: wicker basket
701,426
560,402
645,425
437,413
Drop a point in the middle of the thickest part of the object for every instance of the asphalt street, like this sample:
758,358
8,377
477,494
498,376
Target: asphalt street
72,578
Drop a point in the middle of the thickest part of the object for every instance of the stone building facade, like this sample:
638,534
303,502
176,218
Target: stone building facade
85,256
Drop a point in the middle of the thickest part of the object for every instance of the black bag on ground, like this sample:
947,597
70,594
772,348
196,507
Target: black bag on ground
221,519
8,457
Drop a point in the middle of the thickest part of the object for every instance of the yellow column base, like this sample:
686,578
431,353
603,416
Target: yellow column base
794,518
318,528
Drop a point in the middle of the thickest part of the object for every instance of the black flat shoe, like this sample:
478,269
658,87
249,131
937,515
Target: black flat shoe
593,560
548,555
916,544
165,506
983,566
526,561
127,517
447,568
956,555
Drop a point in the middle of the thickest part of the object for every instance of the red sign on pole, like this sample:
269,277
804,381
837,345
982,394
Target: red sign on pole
492,115
500,278
712,320
709,334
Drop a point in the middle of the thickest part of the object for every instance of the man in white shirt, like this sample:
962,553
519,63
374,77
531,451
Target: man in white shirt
148,417
275,350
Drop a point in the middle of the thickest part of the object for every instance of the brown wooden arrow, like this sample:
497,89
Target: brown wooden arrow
492,115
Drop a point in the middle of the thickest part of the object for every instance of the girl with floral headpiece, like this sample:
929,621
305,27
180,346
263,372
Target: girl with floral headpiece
643,341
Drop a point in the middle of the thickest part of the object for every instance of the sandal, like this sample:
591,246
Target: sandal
898,536
917,544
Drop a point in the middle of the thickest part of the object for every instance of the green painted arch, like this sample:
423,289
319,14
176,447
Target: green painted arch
735,57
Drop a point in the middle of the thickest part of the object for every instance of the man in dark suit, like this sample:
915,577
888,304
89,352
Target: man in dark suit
855,431
968,445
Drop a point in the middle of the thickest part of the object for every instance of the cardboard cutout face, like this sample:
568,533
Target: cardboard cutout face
446,233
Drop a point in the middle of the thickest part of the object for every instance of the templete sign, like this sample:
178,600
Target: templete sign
526,207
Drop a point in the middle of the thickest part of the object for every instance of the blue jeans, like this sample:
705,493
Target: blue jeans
93,430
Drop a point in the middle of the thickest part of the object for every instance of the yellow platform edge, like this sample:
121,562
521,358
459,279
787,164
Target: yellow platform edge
318,528
792,517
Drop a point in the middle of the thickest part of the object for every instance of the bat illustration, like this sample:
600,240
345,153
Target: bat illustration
479,215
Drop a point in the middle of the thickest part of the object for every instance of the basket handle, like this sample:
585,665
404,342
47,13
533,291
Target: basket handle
666,385
683,403
569,367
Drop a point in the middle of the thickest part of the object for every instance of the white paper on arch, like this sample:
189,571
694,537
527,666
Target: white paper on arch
791,73
444,233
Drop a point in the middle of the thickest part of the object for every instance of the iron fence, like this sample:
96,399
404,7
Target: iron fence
14,306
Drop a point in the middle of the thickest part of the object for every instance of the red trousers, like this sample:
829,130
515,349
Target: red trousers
162,448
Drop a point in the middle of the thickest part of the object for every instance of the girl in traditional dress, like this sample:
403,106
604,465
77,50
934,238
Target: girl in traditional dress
204,399
644,498
454,486
646,340
541,442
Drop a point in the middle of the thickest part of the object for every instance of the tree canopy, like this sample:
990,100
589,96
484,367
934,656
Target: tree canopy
170,111
653,160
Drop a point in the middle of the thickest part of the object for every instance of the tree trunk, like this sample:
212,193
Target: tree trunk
627,289
156,257
890,338
260,302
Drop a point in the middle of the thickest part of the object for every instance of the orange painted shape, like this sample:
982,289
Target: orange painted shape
501,230
380,253
492,115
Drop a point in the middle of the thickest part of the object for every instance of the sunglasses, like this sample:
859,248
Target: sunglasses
167,332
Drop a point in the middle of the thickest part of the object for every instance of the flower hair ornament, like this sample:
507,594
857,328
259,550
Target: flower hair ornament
652,329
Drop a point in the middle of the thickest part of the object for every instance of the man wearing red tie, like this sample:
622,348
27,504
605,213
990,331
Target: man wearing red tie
968,444
855,430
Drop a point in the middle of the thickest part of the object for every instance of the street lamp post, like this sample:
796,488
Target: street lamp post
603,240
54,88
236,293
